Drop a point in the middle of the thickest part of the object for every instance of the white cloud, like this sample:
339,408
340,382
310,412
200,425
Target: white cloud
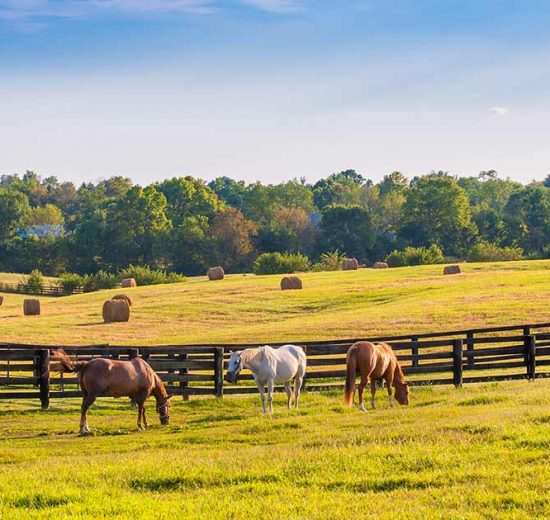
275,6
29,10
499,111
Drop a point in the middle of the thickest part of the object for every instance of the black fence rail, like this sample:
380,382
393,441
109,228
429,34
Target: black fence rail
456,357
45,290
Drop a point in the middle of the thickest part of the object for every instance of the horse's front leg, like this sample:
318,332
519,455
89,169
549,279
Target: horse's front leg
373,393
389,384
288,390
261,389
141,415
270,389
87,401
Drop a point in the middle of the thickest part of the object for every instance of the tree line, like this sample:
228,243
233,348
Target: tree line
184,224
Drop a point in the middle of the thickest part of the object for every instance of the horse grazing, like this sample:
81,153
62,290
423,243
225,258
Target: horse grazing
374,361
102,377
271,366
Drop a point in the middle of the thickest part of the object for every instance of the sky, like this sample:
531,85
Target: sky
270,90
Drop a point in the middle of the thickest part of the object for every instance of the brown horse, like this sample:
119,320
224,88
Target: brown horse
374,361
107,377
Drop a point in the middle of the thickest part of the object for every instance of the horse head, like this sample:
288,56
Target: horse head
234,367
402,393
163,409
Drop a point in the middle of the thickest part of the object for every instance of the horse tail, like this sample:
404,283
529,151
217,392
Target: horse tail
351,372
61,362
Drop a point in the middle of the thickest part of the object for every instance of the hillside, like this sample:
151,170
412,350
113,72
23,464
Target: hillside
335,304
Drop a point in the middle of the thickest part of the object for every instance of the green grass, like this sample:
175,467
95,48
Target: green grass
332,305
479,452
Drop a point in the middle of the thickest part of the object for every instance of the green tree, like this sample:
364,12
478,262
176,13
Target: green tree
436,210
187,197
347,229
395,182
138,223
342,188
231,237
14,206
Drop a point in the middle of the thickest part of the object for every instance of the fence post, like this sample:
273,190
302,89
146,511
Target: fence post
133,353
470,348
184,384
530,348
457,362
414,351
218,371
43,359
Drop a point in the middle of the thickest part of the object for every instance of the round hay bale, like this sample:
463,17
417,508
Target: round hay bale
289,283
115,310
380,265
128,282
215,273
31,307
350,264
124,297
452,269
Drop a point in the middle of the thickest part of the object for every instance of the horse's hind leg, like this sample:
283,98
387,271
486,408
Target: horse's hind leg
261,389
297,389
288,390
87,401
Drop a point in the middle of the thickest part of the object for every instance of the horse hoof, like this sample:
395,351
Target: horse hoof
84,433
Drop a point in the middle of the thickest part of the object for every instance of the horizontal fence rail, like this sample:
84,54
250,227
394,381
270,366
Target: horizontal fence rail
456,357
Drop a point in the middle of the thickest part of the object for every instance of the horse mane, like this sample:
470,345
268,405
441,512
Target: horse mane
250,354
158,384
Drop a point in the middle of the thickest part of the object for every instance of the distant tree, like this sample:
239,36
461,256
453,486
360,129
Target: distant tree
231,237
295,194
546,181
394,182
257,203
137,223
14,206
527,215
188,197
228,190
187,246
342,188
436,211
347,229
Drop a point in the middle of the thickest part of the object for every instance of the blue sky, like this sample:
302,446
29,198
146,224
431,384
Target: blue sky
272,89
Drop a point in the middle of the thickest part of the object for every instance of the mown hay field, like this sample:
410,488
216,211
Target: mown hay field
248,308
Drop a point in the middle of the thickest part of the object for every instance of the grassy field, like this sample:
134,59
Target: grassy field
332,305
479,452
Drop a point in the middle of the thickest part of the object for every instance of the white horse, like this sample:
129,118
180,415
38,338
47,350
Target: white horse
271,366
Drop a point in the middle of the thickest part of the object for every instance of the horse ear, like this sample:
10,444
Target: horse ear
231,352
169,396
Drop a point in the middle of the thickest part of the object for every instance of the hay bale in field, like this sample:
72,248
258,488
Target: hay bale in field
289,283
31,307
380,265
350,264
124,297
215,273
116,310
128,282
452,269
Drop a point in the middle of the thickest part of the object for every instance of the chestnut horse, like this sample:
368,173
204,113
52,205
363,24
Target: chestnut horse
102,377
374,361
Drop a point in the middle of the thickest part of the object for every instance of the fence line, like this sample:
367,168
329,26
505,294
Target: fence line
455,357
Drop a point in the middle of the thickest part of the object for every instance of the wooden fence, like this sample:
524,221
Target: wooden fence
457,357
45,290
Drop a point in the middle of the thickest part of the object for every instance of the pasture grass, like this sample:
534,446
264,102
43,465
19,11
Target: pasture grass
248,308
478,452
